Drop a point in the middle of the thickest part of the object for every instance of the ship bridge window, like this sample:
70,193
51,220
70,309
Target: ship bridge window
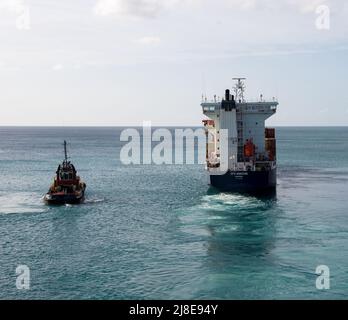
66,176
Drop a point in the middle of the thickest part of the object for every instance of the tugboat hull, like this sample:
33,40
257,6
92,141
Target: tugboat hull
245,181
64,199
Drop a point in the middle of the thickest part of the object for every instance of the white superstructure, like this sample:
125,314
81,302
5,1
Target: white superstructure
251,147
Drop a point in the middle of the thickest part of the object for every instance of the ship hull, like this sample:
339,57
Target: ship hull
245,181
60,199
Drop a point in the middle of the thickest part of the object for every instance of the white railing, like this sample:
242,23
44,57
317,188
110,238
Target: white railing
253,100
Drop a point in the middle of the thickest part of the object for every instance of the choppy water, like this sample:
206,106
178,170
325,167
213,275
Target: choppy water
160,232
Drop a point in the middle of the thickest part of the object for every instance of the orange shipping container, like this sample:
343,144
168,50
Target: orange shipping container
270,146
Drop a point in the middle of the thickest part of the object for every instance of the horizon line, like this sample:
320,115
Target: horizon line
168,126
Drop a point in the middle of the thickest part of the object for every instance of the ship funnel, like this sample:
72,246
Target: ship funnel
227,95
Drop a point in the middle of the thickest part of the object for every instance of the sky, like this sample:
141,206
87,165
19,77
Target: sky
122,62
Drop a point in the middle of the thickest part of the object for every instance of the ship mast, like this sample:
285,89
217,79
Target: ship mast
239,89
65,152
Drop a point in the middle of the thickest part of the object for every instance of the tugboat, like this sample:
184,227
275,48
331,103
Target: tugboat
67,187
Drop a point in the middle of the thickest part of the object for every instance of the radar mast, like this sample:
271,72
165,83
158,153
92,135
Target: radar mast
239,89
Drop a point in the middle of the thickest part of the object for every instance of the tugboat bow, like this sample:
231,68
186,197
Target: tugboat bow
67,187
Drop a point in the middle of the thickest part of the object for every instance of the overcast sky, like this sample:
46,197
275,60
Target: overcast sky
120,62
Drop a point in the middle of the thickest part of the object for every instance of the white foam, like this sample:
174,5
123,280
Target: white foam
21,202
94,200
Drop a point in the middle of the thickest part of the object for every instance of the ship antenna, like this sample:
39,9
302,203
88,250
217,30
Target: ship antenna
239,89
65,152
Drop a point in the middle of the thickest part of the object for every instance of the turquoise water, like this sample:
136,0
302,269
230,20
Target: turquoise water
160,232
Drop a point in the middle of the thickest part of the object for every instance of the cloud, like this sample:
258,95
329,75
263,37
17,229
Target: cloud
149,40
242,4
143,8
57,67
77,65
20,10
136,8
152,8
304,6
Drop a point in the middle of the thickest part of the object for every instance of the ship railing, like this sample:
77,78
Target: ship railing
263,100
252,100
258,108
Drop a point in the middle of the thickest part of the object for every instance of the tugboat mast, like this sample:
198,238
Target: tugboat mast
65,152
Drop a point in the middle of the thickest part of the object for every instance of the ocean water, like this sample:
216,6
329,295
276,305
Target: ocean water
160,232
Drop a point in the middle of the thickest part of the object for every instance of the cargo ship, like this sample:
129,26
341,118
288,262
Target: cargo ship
67,187
240,150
